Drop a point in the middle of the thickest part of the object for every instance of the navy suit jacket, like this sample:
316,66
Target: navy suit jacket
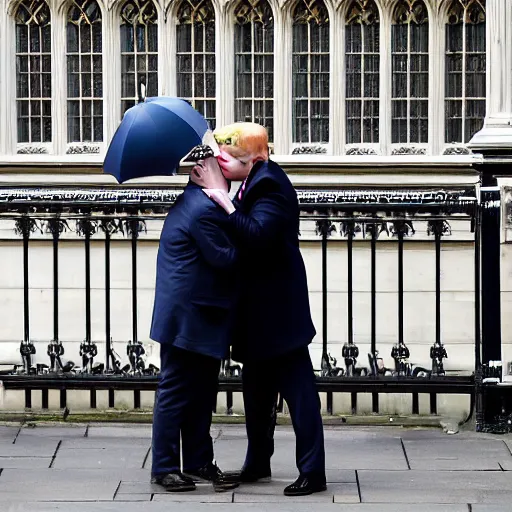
195,290
273,314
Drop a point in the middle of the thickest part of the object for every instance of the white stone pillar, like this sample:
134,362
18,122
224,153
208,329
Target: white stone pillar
497,130
224,64
168,61
111,74
337,125
8,130
59,79
385,82
436,104
282,81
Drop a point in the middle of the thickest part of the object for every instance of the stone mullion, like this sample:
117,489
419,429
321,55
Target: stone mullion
385,83
497,130
111,74
282,81
224,64
59,80
8,126
337,125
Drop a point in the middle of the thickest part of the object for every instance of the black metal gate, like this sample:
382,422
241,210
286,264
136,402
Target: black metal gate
347,217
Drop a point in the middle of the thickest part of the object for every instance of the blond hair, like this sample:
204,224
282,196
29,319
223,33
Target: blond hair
249,138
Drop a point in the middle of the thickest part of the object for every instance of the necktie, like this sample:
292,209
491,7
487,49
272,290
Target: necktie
242,189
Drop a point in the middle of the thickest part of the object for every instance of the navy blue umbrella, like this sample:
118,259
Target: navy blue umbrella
153,137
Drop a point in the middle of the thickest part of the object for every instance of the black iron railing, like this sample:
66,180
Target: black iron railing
355,215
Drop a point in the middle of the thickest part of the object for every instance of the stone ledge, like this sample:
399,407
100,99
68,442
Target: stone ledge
146,417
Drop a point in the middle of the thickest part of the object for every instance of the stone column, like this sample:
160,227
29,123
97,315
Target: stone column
282,81
224,63
111,75
59,80
8,136
337,125
385,70
497,130
167,53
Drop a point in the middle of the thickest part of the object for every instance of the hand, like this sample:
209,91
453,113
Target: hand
207,174
221,198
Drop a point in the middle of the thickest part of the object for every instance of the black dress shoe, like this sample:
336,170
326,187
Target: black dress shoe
212,473
174,482
305,485
250,475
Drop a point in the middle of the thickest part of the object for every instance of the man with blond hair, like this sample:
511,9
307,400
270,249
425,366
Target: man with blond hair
273,318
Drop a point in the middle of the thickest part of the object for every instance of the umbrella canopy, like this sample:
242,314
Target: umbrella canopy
153,137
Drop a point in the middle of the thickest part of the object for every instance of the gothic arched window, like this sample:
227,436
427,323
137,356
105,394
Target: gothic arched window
310,72
465,70
409,50
254,63
362,44
33,71
139,52
85,80
195,36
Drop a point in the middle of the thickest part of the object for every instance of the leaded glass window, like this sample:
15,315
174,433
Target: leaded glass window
85,81
362,60
310,72
139,52
195,35
465,70
33,71
409,50
254,63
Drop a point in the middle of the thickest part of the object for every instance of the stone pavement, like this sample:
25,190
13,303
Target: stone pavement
79,468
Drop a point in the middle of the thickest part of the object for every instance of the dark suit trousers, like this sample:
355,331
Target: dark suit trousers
183,406
291,375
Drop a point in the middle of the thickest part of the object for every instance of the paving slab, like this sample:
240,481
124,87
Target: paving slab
202,494
98,490
442,487
128,457
506,465
454,464
128,431
345,493
35,448
455,454
490,508
8,433
139,487
342,476
78,476
366,453
85,443
25,462
133,497
53,432
397,507
273,493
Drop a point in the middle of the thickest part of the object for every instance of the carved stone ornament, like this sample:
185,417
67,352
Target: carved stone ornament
457,150
32,149
409,150
360,151
82,149
156,202
309,150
